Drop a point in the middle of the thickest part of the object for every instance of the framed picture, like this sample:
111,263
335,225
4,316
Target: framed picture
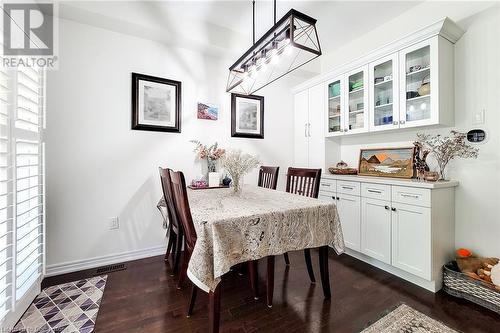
208,111
247,116
156,104
387,162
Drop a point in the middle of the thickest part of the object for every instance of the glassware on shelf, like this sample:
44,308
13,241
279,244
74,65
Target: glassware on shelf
334,107
383,93
356,100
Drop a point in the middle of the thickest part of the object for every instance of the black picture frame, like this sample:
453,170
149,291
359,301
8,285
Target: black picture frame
240,133
136,100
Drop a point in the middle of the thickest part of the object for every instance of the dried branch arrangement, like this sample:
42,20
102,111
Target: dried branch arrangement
447,148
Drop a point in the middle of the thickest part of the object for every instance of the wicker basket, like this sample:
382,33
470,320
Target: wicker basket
460,285
343,171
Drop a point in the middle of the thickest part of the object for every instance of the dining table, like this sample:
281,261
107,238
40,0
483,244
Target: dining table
234,228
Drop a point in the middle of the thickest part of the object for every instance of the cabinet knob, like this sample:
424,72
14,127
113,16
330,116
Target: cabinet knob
395,123
393,209
338,198
387,207
402,122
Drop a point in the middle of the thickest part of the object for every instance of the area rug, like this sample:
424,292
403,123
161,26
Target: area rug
65,308
408,320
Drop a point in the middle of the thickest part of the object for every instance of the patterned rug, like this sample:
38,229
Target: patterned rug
65,308
407,320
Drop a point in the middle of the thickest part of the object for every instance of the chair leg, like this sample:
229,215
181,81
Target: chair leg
192,300
170,242
214,310
254,278
183,272
325,275
287,260
270,281
180,238
307,255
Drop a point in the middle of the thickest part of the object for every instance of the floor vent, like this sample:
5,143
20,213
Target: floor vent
110,268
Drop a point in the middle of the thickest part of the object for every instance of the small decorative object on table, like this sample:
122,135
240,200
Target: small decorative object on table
420,164
474,278
447,148
431,176
342,169
237,164
226,181
211,154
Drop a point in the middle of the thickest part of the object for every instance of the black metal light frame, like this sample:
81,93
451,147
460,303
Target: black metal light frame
292,25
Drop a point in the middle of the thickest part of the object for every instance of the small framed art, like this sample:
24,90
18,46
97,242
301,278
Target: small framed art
156,104
387,162
247,116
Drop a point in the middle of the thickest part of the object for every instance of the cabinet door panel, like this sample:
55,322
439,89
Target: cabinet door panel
301,146
336,104
376,229
384,93
356,109
315,130
419,74
411,239
349,208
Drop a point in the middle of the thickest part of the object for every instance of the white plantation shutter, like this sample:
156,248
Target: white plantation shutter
29,179
21,190
6,195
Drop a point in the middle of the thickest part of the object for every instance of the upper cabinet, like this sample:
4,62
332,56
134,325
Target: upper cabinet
408,83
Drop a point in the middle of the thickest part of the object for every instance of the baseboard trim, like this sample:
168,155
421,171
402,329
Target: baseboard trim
79,265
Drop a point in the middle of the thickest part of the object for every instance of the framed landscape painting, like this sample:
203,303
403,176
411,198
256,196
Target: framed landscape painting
386,162
247,116
156,104
208,111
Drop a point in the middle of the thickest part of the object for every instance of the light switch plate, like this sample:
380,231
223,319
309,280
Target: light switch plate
114,223
479,117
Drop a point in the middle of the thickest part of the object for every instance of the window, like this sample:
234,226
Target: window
21,190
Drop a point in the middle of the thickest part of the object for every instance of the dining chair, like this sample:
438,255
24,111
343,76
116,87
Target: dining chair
304,182
181,204
268,177
175,231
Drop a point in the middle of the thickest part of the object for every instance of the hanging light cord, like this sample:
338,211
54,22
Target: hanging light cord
274,11
253,20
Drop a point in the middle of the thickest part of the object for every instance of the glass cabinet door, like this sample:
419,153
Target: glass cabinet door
384,94
416,74
335,107
356,120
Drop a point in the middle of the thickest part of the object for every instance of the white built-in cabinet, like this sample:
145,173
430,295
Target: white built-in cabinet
309,138
402,226
409,83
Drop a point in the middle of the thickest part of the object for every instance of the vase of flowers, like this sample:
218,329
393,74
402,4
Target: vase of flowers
211,154
237,164
447,148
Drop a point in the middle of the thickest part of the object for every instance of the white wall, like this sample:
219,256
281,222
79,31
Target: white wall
98,168
477,87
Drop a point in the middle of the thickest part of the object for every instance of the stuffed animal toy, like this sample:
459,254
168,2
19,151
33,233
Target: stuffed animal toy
479,268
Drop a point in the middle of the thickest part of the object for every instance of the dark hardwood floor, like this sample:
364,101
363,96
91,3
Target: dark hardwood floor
144,298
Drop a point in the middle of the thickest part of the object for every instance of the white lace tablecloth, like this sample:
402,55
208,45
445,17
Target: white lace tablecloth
257,223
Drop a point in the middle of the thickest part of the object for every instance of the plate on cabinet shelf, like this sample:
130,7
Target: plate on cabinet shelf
382,83
425,69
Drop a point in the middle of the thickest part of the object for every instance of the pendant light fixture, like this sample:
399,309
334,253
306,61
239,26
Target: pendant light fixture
291,42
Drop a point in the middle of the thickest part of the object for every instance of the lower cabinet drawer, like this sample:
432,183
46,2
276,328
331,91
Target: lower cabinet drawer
351,188
328,185
376,191
411,196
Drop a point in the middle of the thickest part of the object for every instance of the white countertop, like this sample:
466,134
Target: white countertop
393,181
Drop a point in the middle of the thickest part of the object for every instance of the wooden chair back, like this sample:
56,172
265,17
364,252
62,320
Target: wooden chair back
169,199
303,181
181,203
268,177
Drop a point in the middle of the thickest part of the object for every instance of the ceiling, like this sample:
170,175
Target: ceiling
338,21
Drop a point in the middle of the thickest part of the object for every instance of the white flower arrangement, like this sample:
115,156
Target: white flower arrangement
237,164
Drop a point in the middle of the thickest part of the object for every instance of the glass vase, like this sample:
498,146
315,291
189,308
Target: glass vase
211,166
236,185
